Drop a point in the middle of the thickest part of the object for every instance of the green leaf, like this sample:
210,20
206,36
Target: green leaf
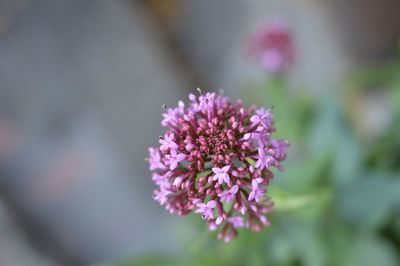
325,126
368,201
204,173
372,251
285,201
250,161
307,240
305,173
150,260
340,240
347,163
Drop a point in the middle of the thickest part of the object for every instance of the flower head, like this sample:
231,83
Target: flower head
229,195
174,158
280,147
272,46
155,160
167,142
161,195
204,162
206,209
263,117
264,161
257,193
221,174
236,221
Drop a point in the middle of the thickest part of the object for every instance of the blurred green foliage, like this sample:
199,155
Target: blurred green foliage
338,200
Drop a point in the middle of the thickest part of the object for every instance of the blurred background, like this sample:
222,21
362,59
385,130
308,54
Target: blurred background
82,83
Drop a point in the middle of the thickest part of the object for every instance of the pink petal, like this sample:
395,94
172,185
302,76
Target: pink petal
255,119
227,179
170,137
215,177
234,189
243,210
264,220
259,180
226,168
251,195
212,226
189,146
173,145
181,157
216,170
201,205
211,204
178,181
222,194
254,184
173,165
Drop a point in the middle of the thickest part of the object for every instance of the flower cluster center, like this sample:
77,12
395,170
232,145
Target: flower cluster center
216,143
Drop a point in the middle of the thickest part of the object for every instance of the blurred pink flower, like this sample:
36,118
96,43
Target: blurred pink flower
272,46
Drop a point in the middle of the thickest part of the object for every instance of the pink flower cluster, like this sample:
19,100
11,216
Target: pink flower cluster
272,47
216,159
